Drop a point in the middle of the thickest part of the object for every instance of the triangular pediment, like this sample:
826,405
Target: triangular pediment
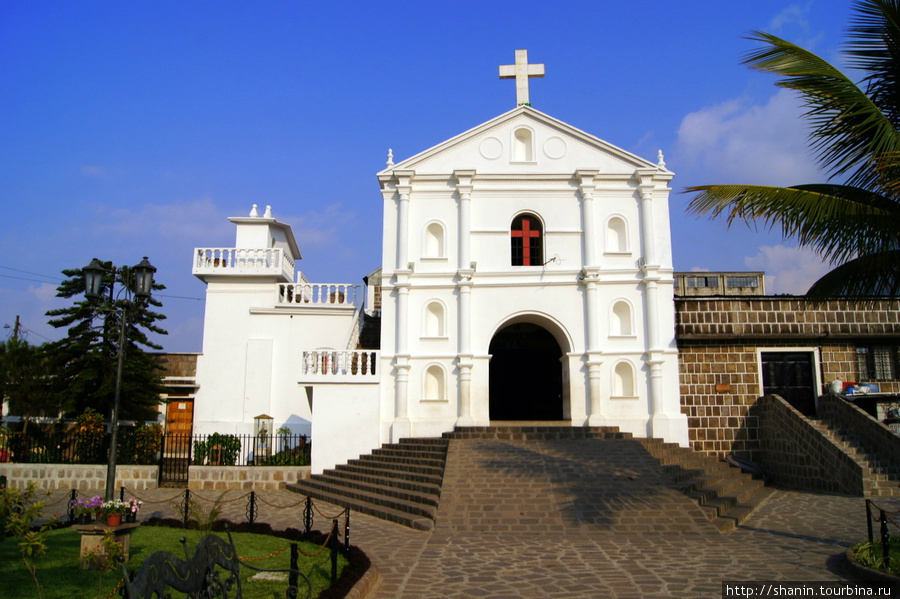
523,141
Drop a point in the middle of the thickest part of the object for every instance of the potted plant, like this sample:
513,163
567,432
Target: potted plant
113,510
84,508
134,505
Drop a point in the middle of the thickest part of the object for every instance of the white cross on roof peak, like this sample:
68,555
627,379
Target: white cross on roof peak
521,72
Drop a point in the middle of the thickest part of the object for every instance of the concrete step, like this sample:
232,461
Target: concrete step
536,432
412,503
723,492
427,493
388,474
378,511
399,482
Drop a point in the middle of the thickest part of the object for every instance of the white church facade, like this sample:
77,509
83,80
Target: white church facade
526,275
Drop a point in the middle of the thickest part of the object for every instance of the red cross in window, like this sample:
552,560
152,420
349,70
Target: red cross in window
527,234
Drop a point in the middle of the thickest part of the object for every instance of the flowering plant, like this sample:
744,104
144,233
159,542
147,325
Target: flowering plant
114,506
86,506
133,506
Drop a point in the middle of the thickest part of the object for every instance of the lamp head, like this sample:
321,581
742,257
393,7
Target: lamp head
143,279
93,279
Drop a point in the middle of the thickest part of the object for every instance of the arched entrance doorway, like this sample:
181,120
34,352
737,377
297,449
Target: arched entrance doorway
525,374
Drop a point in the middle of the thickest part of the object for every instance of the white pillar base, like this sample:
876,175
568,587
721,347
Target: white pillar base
400,429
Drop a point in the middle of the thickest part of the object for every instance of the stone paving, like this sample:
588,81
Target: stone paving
578,519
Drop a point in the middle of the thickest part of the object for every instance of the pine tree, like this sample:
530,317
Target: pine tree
85,361
26,381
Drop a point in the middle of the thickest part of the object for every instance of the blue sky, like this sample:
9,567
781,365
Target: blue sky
136,128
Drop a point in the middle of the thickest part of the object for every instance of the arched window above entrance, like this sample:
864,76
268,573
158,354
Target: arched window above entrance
434,384
527,241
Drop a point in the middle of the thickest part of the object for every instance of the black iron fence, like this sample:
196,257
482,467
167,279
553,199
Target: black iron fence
220,449
134,448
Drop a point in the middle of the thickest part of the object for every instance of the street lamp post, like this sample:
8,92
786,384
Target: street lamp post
139,287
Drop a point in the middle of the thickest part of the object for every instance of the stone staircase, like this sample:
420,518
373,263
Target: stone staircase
881,475
400,482
726,494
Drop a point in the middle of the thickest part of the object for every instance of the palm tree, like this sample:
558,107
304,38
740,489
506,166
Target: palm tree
853,221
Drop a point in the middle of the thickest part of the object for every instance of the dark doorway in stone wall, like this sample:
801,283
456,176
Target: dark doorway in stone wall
525,374
792,376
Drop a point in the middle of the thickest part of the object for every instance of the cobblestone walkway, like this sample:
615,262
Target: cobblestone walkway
577,519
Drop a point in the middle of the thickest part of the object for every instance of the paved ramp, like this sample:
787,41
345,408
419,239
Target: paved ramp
560,487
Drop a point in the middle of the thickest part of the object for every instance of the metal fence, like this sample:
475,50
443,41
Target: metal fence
220,449
140,449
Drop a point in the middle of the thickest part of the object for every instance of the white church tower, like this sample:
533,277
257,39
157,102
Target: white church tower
527,275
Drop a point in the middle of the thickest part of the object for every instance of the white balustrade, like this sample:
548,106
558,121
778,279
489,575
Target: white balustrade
320,294
243,261
333,363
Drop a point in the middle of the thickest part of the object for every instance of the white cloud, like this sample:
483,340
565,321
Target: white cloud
191,220
45,293
788,269
792,14
738,142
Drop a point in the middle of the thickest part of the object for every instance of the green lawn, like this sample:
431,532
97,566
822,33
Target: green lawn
61,578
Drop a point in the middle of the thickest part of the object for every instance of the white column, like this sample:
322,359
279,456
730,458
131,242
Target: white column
464,190
404,186
464,287
586,187
401,426
465,350
594,354
648,244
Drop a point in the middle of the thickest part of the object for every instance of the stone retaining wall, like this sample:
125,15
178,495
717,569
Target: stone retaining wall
880,437
90,478
797,455
257,478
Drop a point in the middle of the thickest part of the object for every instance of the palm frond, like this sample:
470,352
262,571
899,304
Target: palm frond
850,134
838,222
874,46
866,276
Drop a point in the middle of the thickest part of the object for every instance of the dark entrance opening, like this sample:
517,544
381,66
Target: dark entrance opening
525,374
791,375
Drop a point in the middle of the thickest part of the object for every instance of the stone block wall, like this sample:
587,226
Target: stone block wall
766,317
257,478
84,477
719,372
92,478
718,385
797,455
883,440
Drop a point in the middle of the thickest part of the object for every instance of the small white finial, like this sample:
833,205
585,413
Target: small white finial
253,212
662,161
390,160
268,213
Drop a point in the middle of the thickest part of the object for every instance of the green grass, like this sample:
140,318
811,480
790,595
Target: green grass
871,555
61,578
